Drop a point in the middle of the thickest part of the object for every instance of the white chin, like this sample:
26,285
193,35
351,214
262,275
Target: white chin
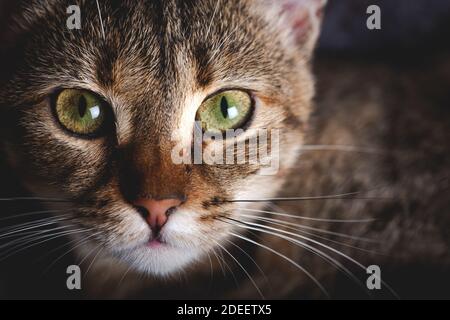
161,261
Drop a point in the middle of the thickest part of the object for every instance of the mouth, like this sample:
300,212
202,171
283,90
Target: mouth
156,243
155,255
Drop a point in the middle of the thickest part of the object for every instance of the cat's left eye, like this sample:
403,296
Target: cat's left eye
81,112
230,109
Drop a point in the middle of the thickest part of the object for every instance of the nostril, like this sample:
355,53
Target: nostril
156,212
170,211
142,211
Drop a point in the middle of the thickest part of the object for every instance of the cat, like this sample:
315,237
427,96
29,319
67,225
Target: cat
101,189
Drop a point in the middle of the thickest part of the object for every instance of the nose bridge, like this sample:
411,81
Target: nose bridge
158,176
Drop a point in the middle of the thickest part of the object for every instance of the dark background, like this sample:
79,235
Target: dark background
408,27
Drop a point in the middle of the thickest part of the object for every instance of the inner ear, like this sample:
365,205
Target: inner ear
303,18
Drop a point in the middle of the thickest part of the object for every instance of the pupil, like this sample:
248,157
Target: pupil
224,107
82,106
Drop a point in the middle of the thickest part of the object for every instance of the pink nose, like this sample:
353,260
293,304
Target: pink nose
157,211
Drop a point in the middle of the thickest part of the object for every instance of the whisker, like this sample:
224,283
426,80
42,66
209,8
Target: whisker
212,19
30,234
219,261
33,226
310,218
211,271
227,266
124,276
88,254
243,269
93,261
80,243
34,199
19,229
16,216
250,257
344,148
324,291
35,237
343,196
68,243
300,227
101,19
55,236
30,222
315,242
335,263
284,224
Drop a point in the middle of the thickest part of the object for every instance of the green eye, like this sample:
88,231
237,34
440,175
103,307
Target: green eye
225,111
80,111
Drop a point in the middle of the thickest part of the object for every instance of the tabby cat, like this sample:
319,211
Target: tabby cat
90,119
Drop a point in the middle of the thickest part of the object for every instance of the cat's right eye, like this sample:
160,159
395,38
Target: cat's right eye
81,112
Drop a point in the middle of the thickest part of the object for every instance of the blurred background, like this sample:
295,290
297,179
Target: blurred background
413,27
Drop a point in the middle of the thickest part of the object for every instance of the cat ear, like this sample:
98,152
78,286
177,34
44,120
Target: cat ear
302,19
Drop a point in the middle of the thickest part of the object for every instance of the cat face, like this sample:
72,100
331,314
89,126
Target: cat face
94,120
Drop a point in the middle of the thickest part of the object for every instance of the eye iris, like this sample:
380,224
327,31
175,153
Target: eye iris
227,110
80,111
